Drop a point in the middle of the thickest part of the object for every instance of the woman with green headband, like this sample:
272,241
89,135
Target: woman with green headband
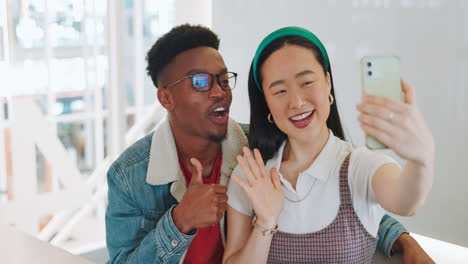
305,195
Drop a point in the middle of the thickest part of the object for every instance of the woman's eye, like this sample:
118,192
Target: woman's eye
280,92
308,83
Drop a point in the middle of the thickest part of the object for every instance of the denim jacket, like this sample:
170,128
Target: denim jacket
145,183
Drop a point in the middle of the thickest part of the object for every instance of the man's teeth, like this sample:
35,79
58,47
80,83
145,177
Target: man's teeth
220,109
300,117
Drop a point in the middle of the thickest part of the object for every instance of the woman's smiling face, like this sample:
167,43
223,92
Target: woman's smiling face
297,91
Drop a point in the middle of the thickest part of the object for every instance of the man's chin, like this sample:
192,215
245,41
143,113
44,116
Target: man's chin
217,138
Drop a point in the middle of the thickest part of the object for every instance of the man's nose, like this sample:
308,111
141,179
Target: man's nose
216,91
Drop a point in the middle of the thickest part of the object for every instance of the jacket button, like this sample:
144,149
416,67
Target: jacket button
174,243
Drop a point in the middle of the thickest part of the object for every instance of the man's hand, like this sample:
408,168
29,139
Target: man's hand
410,250
202,205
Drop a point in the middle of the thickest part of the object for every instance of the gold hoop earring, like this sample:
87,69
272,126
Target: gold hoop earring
270,119
331,99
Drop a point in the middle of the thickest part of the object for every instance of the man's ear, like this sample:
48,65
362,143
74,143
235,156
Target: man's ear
165,98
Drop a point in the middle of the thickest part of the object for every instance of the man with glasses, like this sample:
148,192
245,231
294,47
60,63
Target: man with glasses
167,192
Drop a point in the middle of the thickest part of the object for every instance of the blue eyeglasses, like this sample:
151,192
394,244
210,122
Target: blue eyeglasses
203,81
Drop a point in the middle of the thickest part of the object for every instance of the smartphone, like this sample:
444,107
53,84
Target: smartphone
380,75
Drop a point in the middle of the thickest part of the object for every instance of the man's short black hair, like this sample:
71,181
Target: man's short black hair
176,41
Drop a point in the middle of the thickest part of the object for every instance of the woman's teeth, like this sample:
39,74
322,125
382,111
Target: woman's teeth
300,117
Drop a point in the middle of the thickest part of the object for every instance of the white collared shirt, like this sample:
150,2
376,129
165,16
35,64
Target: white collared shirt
318,189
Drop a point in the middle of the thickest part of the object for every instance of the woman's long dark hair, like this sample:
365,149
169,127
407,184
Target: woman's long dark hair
266,136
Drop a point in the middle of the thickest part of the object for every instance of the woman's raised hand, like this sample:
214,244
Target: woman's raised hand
262,187
398,125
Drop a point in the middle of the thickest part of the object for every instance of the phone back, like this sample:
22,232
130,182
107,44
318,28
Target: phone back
381,76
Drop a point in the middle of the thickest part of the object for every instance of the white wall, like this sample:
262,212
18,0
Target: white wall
193,12
431,39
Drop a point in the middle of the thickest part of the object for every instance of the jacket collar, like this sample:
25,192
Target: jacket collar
163,165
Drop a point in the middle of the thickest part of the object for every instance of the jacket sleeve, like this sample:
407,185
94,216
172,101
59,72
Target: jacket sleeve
389,231
127,241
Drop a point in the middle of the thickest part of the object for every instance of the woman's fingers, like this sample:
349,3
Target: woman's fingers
386,117
246,169
390,125
398,125
408,90
379,134
260,163
380,112
256,173
252,163
275,179
373,103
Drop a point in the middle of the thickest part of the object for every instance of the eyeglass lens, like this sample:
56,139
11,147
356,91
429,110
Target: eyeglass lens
203,82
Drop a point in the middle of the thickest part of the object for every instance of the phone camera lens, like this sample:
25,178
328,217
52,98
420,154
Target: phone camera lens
369,73
369,64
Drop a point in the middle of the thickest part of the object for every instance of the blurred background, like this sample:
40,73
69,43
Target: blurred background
82,62
57,51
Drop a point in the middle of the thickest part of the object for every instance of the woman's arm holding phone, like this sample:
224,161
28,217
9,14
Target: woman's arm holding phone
401,127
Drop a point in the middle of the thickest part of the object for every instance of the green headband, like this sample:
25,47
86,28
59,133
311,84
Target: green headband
283,32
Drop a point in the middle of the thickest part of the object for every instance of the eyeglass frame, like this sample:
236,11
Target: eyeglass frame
211,84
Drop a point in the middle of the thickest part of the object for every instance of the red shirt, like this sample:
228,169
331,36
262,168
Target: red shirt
207,246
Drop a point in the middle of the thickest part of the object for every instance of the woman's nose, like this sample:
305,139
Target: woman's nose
296,99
